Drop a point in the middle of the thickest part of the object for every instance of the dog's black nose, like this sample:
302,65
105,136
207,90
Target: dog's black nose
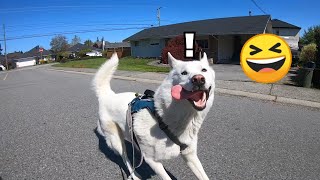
198,80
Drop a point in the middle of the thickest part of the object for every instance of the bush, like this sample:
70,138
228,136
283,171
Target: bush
83,52
41,61
176,47
317,38
62,56
308,53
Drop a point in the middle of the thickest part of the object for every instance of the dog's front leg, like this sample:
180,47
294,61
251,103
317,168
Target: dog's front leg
158,168
195,165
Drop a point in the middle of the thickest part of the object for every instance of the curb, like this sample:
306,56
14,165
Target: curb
246,94
218,90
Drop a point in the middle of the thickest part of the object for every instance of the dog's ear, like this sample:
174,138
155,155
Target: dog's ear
172,61
204,59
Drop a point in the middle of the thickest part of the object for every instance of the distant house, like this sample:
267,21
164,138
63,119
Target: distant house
122,48
222,38
23,62
287,31
29,58
75,49
94,53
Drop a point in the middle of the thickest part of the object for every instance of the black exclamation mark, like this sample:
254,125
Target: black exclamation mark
189,39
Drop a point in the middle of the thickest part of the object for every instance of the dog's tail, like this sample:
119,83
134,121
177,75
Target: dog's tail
101,81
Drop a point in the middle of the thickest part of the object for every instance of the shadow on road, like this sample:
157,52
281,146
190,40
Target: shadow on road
144,170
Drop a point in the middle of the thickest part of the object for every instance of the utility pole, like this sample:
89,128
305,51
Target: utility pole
158,15
5,46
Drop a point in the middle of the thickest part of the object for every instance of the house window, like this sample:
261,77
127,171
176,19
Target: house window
203,43
154,42
136,43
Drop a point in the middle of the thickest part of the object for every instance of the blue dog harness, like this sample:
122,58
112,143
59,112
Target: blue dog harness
146,101
138,103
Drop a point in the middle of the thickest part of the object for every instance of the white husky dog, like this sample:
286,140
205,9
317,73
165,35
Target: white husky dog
182,101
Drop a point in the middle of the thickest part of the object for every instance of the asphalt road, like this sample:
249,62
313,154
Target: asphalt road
47,122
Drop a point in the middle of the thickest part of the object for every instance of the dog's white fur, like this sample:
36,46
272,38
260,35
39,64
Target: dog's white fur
181,117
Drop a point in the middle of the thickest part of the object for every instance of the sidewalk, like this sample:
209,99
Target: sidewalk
240,86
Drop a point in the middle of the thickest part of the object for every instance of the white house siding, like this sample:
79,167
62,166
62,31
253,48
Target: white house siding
25,63
225,48
291,36
147,48
94,53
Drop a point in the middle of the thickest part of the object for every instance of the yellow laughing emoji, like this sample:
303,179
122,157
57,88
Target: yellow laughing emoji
265,58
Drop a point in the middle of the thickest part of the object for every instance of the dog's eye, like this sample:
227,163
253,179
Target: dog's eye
184,73
204,70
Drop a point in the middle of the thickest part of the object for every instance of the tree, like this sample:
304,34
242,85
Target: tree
309,35
88,42
176,47
59,43
76,39
97,39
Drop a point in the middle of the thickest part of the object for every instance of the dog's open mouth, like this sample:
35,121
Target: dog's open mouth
198,98
266,65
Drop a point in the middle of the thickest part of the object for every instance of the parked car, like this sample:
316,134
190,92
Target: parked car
2,68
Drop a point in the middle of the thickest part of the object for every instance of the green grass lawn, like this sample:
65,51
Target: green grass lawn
126,64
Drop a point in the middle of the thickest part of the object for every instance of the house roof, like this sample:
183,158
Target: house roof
29,54
10,56
35,52
79,47
221,26
117,45
276,23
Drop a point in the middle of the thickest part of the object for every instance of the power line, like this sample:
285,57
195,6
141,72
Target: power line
258,6
70,23
45,8
80,25
70,32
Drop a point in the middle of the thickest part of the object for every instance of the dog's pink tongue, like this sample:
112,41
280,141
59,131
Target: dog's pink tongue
178,93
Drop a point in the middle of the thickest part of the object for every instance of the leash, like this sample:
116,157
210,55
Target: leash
134,142
138,103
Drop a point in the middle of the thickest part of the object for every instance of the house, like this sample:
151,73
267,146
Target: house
23,62
222,38
38,53
123,49
287,31
75,49
29,58
94,53
10,58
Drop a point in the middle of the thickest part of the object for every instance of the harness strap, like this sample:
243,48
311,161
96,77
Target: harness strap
164,127
141,102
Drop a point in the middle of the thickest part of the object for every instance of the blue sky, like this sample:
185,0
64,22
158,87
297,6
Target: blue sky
34,17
